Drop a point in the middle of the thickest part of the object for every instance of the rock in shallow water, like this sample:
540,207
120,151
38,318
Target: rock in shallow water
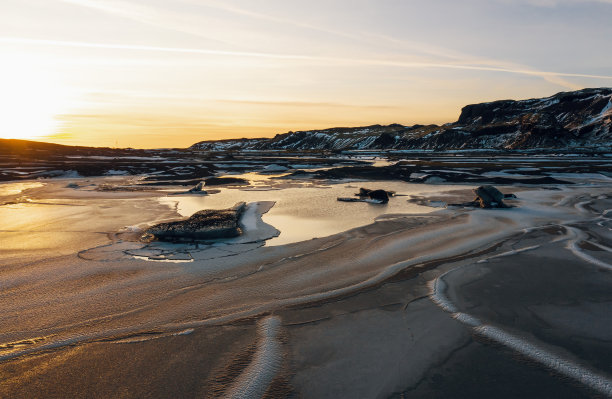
198,188
379,195
205,224
489,197
371,196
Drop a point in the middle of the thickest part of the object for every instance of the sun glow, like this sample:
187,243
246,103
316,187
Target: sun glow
31,99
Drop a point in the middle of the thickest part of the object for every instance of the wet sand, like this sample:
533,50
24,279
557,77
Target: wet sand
359,314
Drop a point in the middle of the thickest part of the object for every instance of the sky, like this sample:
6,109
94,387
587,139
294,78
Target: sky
169,73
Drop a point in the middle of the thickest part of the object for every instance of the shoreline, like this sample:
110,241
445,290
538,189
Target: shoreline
294,281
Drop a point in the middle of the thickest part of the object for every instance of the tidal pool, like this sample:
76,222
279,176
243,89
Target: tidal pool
303,213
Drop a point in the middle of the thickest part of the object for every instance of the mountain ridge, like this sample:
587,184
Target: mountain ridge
575,119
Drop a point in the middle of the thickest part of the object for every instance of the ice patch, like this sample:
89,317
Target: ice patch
572,246
538,353
275,168
151,336
255,379
167,260
434,180
113,172
509,253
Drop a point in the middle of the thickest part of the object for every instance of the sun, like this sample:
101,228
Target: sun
31,99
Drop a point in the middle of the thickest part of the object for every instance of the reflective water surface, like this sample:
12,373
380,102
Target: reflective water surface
303,213
16,188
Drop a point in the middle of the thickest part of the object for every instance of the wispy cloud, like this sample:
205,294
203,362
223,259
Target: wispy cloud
360,37
122,96
461,60
443,58
554,3
332,61
148,15
307,104
65,43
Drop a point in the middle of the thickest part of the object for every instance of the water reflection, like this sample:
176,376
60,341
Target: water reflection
303,213
16,188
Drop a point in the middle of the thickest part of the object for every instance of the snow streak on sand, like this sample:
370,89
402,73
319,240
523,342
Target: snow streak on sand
572,245
255,379
509,253
532,350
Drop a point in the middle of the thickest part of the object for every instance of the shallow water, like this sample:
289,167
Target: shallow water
57,294
16,188
304,213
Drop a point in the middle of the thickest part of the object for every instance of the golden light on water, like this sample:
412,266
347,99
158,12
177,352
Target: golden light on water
31,99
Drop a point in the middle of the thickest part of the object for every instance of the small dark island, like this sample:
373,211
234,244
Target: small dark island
203,225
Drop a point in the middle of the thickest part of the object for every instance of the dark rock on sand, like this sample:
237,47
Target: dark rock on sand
489,197
372,196
365,192
217,181
198,188
379,195
205,224
350,199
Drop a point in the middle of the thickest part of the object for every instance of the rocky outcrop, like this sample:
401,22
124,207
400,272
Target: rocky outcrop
489,197
218,181
565,120
198,189
202,225
378,195
372,196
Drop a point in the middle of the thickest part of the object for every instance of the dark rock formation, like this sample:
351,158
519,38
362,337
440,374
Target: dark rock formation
202,225
350,199
427,170
378,195
217,181
22,160
489,197
565,120
372,196
198,188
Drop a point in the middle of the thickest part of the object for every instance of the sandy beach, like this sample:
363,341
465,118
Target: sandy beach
416,302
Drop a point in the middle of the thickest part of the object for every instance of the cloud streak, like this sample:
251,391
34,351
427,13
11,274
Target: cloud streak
554,3
446,58
424,48
152,16
333,61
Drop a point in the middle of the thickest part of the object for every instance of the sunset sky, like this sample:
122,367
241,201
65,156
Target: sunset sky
162,73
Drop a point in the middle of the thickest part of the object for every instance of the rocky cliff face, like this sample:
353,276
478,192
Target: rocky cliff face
581,118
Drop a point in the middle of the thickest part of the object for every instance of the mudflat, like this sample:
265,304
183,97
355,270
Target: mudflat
450,302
